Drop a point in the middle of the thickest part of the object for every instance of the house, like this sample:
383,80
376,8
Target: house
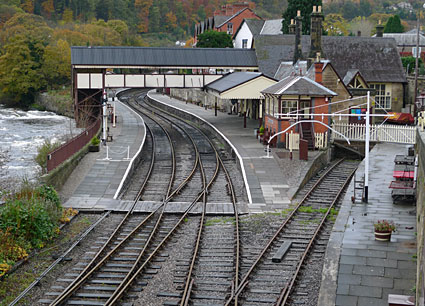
406,42
296,98
226,23
240,93
375,58
249,27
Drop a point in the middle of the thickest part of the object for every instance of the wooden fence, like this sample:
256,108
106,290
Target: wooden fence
65,151
293,140
378,133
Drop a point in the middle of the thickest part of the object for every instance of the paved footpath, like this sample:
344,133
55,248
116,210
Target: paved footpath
272,181
358,270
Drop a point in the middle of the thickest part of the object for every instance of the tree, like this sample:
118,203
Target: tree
306,7
57,60
335,25
363,25
409,63
214,39
393,25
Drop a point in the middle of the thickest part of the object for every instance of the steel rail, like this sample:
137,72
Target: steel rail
186,296
118,294
189,280
57,261
92,267
288,288
244,281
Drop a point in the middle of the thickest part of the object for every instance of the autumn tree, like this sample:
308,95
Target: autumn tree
306,7
214,39
56,63
335,25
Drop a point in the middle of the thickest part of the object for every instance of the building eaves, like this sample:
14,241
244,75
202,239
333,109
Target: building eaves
232,80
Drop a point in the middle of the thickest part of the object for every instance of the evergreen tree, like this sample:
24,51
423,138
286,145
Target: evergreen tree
394,25
214,39
306,7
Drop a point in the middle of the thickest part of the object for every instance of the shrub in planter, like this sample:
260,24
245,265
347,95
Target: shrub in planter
94,144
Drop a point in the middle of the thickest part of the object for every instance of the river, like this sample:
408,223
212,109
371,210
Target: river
21,133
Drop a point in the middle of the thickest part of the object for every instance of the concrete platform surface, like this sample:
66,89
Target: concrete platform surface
359,270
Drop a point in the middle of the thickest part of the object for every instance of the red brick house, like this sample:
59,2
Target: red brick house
226,23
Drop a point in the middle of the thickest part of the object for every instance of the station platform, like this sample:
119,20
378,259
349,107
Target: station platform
100,175
358,270
272,182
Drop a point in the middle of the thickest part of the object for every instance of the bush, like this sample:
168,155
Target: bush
31,215
95,141
43,151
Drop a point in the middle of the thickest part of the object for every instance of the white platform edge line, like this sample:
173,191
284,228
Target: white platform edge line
134,157
248,191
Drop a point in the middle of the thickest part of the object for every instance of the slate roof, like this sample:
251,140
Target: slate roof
232,80
299,85
220,19
163,57
376,58
254,25
272,27
351,73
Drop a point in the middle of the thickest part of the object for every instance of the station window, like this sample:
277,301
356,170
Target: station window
244,43
288,107
383,98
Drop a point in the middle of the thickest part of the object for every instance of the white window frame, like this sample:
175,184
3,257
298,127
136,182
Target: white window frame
288,106
382,97
244,43
230,28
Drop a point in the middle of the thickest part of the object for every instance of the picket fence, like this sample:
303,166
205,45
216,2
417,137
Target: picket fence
293,140
378,133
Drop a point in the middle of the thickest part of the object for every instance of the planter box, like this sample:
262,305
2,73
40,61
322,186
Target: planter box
382,236
94,148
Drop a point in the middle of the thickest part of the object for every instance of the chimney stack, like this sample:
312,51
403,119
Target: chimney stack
292,27
318,68
316,29
379,29
298,32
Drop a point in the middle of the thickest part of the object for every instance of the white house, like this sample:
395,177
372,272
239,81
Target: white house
250,27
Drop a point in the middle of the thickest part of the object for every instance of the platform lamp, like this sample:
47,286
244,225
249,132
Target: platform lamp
113,114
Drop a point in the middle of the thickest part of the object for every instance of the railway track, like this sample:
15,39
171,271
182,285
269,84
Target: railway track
273,277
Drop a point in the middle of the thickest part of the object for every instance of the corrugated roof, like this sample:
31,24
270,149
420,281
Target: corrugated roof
406,39
272,27
232,80
377,59
299,85
163,57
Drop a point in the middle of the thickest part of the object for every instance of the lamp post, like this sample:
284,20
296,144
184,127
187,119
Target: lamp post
416,61
105,116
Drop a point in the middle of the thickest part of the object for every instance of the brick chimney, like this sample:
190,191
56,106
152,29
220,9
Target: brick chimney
316,29
379,29
318,67
298,30
292,27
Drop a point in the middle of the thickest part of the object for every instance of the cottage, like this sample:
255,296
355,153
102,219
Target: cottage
250,27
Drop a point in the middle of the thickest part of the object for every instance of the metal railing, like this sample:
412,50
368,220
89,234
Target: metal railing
65,151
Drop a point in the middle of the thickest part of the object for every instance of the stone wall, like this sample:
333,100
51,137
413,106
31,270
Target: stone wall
420,212
411,87
200,97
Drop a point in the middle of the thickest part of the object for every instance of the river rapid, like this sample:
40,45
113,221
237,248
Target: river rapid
21,133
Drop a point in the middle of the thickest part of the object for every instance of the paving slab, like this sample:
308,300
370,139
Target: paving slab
371,269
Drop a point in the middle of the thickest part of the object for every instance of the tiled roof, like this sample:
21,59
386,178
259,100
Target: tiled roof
232,80
376,58
298,85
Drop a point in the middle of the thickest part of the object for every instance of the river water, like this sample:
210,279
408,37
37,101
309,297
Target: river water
21,132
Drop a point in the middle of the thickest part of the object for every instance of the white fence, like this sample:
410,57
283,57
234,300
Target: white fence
379,133
293,141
